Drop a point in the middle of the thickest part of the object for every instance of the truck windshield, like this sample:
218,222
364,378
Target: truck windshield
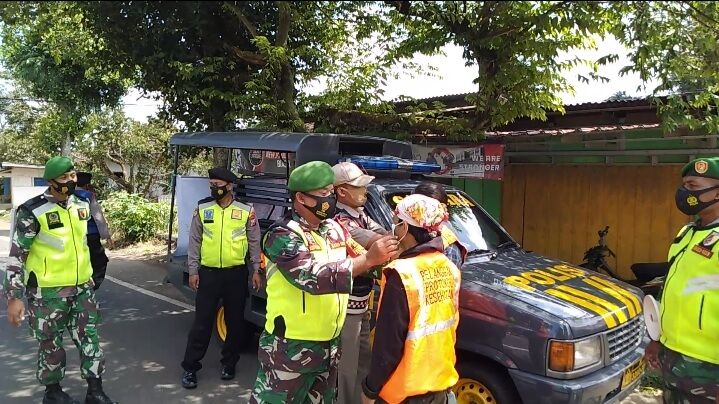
475,230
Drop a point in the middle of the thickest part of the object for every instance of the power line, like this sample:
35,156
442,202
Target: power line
124,104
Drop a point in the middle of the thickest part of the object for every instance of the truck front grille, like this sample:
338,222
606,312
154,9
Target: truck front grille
624,339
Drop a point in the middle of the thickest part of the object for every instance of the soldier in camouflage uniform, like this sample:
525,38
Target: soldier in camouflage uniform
50,265
312,260
687,352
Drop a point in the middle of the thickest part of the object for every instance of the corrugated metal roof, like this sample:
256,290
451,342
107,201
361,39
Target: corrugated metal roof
567,131
634,102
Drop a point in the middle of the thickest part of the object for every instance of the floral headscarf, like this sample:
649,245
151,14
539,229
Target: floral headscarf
422,211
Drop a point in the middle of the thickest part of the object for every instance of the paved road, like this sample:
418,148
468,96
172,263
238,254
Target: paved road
143,338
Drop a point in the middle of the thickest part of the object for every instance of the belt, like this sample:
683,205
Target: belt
232,268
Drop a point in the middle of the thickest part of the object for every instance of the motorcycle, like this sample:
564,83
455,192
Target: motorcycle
649,275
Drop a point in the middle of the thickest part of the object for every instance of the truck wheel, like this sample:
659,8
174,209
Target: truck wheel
483,383
221,329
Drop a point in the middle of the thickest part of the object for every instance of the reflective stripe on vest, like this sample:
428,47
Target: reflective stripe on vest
690,300
224,234
431,282
449,238
59,255
307,317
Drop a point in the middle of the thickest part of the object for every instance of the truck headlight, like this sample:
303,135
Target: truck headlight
567,356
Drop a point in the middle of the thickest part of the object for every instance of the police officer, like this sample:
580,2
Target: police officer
351,190
222,232
413,357
50,265
687,353
97,229
312,260
453,249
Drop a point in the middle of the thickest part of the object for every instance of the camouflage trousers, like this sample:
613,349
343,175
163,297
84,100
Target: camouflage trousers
688,380
296,372
49,316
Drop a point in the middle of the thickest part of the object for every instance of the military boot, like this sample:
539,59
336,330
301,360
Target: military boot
95,395
55,395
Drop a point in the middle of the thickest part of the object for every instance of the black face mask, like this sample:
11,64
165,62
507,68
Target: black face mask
325,208
218,192
65,188
688,202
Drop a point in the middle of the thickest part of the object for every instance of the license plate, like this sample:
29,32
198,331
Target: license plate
633,373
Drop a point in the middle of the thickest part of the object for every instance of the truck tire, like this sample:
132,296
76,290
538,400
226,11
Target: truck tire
248,330
482,382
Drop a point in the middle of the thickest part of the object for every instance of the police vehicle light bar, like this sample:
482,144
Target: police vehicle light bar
392,163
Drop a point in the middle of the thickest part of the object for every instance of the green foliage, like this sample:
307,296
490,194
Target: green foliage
676,44
133,219
51,49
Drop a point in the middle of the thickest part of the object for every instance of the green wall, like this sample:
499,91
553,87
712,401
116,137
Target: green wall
487,192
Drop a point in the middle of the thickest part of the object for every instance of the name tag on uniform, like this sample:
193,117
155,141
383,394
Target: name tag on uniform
704,248
236,214
53,220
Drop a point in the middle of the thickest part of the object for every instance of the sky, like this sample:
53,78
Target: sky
453,77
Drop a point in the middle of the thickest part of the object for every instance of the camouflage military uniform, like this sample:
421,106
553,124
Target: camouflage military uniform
52,310
687,380
294,371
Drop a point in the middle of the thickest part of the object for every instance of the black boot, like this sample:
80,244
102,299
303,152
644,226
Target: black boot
189,380
228,373
55,395
95,395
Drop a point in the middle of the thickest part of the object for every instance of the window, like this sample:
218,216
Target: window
39,182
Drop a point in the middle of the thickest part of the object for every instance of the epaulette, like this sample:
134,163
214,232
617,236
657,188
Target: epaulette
34,203
205,200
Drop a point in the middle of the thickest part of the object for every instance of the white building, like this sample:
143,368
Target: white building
20,182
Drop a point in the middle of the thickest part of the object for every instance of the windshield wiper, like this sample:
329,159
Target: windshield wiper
482,252
507,244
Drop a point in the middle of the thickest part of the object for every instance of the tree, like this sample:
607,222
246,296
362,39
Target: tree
32,133
619,96
215,63
514,46
676,44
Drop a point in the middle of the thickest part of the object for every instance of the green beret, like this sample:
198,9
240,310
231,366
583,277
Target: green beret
311,177
703,167
56,167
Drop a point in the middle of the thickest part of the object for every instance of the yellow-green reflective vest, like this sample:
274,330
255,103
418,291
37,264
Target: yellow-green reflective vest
306,316
59,255
690,301
224,233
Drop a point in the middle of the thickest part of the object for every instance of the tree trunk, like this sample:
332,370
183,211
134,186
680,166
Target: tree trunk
218,123
285,95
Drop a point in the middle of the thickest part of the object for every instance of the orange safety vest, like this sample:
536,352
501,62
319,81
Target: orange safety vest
431,282
449,238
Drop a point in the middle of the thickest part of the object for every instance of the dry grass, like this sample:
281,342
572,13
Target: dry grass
149,250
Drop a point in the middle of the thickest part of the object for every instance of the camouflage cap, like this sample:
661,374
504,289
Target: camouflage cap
56,167
703,167
311,176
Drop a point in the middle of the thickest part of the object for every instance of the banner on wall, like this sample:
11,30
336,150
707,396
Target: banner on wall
263,161
484,161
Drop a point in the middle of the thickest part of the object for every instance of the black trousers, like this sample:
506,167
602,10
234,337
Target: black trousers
229,286
98,259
